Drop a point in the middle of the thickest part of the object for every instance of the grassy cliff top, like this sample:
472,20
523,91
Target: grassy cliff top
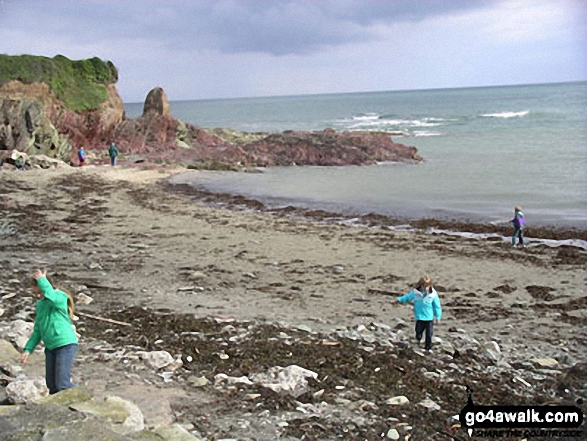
79,84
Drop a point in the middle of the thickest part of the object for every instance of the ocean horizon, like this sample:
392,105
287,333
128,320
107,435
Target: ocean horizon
485,149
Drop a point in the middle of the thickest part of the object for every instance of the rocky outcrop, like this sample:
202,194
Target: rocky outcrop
328,148
34,120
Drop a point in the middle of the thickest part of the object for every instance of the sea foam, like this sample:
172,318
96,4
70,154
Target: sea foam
506,114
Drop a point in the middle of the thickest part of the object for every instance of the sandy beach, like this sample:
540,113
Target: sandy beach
142,250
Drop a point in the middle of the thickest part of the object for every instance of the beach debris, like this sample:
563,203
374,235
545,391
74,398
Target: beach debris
8,296
103,319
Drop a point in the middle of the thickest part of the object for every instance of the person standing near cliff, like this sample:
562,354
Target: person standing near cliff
427,309
519,221
81,155
113,153
53,326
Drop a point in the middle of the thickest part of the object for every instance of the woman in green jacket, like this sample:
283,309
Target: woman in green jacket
53,326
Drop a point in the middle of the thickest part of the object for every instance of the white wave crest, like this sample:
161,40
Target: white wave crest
418,133
506,114
366,117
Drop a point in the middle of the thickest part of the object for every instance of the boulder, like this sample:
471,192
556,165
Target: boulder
174,433
124,415
27,390
8,353
156,104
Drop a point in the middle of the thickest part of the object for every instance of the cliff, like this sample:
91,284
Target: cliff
53,106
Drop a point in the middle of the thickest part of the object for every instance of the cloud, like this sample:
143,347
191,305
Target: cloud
275,27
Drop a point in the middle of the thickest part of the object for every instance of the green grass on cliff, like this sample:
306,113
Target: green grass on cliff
79,84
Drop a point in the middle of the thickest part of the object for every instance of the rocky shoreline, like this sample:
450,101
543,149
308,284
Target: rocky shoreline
256,325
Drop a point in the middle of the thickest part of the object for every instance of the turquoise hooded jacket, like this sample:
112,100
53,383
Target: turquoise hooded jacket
52,323
426,305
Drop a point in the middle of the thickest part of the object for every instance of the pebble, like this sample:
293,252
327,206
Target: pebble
398,401
393,434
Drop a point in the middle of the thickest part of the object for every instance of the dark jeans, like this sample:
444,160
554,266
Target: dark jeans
58,364
519,232
428,326
112,161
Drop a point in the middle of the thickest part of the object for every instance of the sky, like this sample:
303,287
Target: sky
206,49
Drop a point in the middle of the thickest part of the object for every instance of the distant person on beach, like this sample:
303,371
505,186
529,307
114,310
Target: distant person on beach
20,163
53,326
427,309
81,155
113,153
519,220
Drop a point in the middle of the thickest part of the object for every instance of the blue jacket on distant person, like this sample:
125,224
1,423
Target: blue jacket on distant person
426,304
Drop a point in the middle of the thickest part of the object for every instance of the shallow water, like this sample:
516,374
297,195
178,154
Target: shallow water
485,150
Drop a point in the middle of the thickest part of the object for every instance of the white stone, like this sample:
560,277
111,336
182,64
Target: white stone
400,400
492,346
429,404
26,390
221,378
393,434
157,359
545,362
290,380
83,299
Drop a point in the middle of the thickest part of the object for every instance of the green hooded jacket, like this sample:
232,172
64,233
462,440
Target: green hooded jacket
52,323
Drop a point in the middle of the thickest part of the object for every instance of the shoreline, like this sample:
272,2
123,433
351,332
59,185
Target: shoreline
570,236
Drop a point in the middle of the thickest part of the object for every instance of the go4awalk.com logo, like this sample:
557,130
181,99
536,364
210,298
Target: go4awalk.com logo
521,421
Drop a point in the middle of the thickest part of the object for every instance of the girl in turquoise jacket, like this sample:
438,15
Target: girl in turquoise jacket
53,326
427,309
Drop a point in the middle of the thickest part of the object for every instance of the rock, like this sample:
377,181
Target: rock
83,299
156,104
397,401
491,351
545,362
83,430
221,378
8,354
290,380
157,359
68,397
125,415
1,312
429,404
198,381
174,433
26,390
393,434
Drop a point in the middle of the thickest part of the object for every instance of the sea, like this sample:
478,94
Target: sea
485,150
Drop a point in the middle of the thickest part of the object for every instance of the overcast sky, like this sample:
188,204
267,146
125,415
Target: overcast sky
198,49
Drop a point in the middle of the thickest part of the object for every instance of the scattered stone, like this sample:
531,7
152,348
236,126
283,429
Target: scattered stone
83,299
8,353
198,381
393,434
157,359
174,433
221,378
290,380
545,362
398,401
429,404
68,397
